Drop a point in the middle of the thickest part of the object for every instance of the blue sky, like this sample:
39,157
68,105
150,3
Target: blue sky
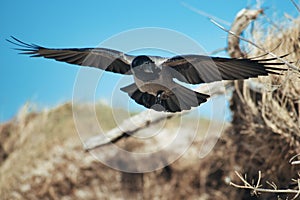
68,23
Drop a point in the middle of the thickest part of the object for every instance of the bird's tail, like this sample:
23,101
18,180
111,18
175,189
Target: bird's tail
177,99
187,98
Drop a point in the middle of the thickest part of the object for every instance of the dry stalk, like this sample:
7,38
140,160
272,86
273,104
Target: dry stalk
296,5
273,110
267,111
205,14
142,120
290,65
257,188
293,161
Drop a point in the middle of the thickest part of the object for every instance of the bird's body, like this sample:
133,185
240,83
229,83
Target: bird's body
156,79
154,86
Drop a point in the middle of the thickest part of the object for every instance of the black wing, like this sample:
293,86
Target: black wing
101,58
197,69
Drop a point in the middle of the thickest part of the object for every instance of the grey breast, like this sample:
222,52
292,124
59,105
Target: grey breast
153,83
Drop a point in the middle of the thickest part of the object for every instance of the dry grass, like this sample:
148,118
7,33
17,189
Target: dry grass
265,129
43,159
29,138
280,101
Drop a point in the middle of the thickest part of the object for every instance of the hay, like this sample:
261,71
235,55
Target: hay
265,130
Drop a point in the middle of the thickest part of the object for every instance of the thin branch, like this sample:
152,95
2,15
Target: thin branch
258,181
291,66
296,162
273,185
270,21
296,5
205,14
217,51
257,188
127,128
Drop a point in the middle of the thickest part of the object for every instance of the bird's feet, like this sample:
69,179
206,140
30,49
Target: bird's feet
158,98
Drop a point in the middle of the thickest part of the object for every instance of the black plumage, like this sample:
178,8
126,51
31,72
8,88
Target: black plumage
154,85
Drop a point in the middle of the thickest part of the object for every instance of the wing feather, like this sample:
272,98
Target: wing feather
101,58
197,69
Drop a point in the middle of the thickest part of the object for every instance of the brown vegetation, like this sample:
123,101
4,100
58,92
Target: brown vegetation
265,128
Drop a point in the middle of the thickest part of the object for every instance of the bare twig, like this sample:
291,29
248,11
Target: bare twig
257,188
296,5
217,51
270,21
291,66
272,184
295,162
141,120
258,181
205,14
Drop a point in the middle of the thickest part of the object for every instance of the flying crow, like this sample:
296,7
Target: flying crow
154,86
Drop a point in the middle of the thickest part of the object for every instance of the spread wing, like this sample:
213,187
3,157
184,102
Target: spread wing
197,69
101,58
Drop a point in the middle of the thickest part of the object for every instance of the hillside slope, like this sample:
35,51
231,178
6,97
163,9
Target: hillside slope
42,158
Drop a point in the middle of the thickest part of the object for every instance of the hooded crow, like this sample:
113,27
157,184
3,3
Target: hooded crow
154,77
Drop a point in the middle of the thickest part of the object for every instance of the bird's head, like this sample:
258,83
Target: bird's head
144,68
